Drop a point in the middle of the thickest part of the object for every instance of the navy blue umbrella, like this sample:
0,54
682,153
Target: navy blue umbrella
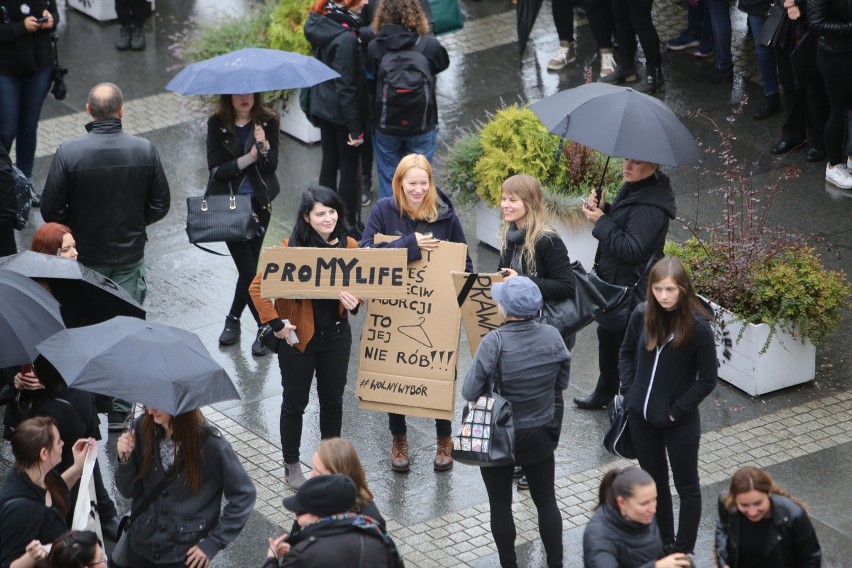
250,70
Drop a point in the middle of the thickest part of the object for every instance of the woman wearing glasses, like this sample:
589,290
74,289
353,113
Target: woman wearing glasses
630,232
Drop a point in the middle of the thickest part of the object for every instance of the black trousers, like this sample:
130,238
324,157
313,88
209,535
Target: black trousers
338,157
609,345
600,22
540,475
836,68
132,12
806,101
563,19
327,356
680,442
7,240
246,255
633,18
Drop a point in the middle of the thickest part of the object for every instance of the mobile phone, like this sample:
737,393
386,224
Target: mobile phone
584,201
25,369
42,20
294,339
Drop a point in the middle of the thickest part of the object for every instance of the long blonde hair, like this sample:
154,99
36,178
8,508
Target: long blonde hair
536,221
428,210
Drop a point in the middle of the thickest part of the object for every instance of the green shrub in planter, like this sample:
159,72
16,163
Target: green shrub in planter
286,26
459,172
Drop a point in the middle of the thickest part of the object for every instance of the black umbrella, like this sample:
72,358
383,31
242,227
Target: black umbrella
86,296
527,12
29,315
157,365
619,122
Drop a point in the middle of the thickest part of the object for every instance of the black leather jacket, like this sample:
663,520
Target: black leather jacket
832,20
107,186
791,542
611,541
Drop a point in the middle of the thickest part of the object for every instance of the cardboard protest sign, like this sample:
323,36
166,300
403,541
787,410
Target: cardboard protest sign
310,272
409,348
478,311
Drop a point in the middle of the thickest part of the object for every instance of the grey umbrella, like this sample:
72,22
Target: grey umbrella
29,315
157,365
619,122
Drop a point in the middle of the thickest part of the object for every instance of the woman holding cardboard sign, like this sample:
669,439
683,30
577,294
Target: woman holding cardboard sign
422,216
316,333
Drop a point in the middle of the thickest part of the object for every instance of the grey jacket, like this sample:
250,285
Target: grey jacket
535,364
179,519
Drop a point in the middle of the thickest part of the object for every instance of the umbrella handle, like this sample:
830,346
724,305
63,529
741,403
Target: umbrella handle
562,140
599,190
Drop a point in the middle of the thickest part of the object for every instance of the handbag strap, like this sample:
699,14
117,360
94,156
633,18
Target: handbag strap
210,184
497,373
154,493
211,251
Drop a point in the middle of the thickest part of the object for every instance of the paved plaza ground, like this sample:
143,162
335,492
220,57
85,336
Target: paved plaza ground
801,435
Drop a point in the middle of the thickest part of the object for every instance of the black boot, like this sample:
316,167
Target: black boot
593,401
652,82
622,74
770,106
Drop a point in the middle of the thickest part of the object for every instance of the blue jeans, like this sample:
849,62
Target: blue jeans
390,149
766,63
21,99
720,20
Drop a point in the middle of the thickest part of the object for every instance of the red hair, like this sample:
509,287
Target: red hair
320,6
48,238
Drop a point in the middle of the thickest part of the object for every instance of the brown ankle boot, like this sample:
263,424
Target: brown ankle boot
399,454
443,454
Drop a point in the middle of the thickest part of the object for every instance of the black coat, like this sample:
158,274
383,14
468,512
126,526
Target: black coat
553,274
8,200
611,541
791,542
343,101
633,230
832,20
107,187
675,381
21,52
223,149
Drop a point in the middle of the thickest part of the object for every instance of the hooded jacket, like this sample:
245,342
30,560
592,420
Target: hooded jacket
21,52
386,219
791,541
343,101
832,20
667,381
633,230
611,541
107,186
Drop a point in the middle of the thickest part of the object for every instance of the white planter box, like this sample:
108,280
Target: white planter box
580,242
295,123
788,361
101,10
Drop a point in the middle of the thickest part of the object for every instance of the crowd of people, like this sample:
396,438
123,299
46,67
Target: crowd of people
190,494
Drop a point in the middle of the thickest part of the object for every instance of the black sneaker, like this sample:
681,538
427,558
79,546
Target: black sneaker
231,333
523,484
137,38
123,41
258,349
366,199
117,421
518,472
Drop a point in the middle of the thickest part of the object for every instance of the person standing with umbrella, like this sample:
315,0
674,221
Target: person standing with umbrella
630,231
186,523
242,155
342,106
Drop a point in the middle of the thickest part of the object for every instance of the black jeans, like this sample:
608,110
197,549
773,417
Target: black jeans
563,19
681,443
246,255
632,18
540,475
609,345
7,240
132,12
836,68
600,22
327,355
396,422
806,101
338,156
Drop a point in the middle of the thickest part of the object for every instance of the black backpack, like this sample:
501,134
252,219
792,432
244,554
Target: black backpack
23,194
405,92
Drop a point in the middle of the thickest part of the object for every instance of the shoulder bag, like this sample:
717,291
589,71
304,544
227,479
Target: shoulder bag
446,16
220,218
774,32
619,299
487,434
570,315
617,440
120,557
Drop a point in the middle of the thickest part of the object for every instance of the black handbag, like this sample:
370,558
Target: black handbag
486,437
620,300
220,218
776,29
617,440
266,336
573,314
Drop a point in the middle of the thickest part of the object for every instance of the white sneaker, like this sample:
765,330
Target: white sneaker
838,175
564,55
607,63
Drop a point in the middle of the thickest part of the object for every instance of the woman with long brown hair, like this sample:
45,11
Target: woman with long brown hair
183,525
242,156
761,525
668,366
34,498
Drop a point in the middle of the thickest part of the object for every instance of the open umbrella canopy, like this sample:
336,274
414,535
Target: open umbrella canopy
619,122
86,296
527,12
250,70
157,365
29,315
